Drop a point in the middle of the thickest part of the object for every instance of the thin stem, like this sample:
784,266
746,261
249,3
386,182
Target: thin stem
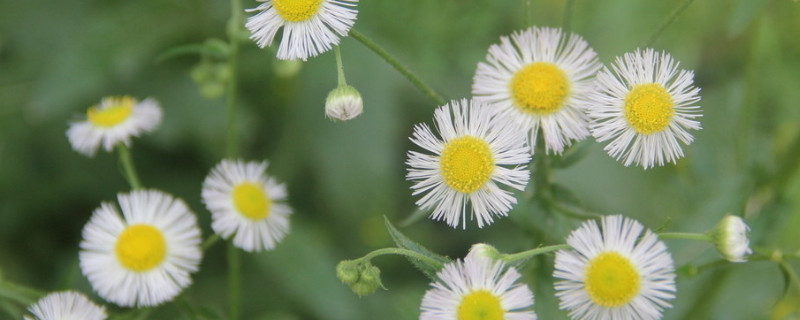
234,27
573,211
541,170
405,71
339,66
403,252
212,239
685,236
127,166
234,281
533,252
672,17
569,6
22,294
529,12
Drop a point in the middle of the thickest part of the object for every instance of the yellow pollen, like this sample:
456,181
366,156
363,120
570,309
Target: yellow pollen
467,163
251,201
297,10
649,108
540,88
612,280
480,305
118,110
141,247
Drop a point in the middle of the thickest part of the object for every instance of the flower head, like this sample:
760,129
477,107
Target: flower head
477,288
541,77
66,305
310,27
644,105
618,270
115,120
145,256
344,103
478,150
730,238
246,204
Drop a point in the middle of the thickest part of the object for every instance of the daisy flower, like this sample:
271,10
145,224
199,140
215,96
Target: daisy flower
66,305
643,105
143,257
247,204
310,27
114,120
477,288
618,270
540,77
478,150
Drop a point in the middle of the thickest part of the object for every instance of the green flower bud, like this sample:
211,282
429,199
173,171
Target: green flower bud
343,103
730,238
348,271
286,68
484,250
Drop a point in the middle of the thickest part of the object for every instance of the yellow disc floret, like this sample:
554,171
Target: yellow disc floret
251,201
297,10
612,280
114,111
467,163
649,108
540,88
480,305
141,247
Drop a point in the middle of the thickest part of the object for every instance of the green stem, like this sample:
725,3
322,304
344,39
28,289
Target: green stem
672,17
210,241
573,211
234,281
533,252
529,12
402,252
21,294
398,66
339,66
685,236
234,26
127,166
541,170
569,6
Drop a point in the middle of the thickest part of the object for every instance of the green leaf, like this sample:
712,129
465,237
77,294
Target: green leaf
404,242
214,48
788,277
571,156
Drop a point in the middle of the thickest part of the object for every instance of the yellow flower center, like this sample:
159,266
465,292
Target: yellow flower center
251,201
480,305
540,88
118,110
649,108
612,280
466,163
297,10
141,247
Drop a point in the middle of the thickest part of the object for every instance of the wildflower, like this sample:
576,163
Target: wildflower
310,27
730,238
343,103
145,256
478,150
477,288
246,204
618,270
644,105
541,77
66,305
115,120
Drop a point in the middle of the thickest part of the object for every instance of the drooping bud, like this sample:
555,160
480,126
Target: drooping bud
730,238
347,271
343,103
362,277
484,250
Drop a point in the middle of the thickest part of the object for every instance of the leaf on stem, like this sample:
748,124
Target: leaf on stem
404,242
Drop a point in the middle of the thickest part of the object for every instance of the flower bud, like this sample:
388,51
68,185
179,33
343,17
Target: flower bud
730,238
348,271
369,281
484,250
286,68
343,103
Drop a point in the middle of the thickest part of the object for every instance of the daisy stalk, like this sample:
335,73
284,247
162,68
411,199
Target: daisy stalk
508,258
405,71
401,252
127,166
235,25
670,19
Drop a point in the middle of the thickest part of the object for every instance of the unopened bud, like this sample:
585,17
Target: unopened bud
343,103
286,68
347,271
730,238
484,250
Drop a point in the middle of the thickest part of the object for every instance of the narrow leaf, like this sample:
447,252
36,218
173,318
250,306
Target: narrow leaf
404,242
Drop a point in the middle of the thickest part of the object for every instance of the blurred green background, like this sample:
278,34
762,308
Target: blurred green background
59,57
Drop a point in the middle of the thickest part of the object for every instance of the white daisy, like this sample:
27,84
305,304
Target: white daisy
618,270
540,77
643,105
114,120
145,256
730,238
66,305
478,150
310,27
247,204
477,288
